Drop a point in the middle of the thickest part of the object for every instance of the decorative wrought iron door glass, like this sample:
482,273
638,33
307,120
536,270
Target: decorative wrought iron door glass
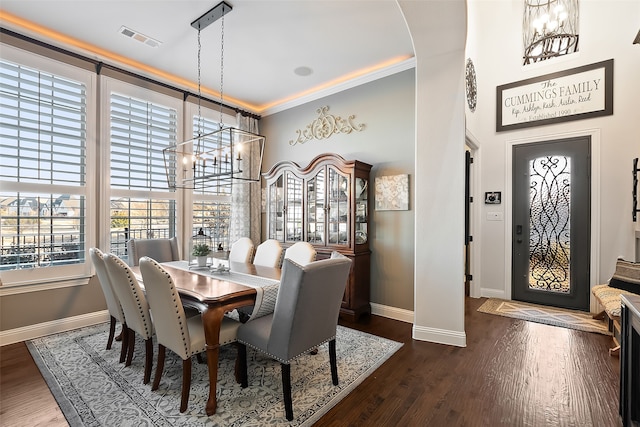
549,212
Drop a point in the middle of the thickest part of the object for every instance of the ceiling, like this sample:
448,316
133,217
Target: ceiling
341,42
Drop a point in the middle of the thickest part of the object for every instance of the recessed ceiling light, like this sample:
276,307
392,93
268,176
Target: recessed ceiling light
303,71
139,37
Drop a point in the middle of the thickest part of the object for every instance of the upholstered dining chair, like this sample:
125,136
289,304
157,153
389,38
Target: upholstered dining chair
113,303
162,250
135,307
301,253
184,336
241,250
305,316
268,254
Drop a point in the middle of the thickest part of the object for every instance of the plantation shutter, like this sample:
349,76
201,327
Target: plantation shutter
43,127
140,130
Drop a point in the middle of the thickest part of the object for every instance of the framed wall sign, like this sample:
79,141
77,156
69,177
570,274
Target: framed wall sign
575,94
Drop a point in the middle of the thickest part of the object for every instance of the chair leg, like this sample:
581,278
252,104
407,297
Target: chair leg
112,332
286,390
148,360
125,343
241,366
131,344
186,384
199,358
159,367
333,361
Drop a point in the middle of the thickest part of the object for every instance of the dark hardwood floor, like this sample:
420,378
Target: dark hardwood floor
512,373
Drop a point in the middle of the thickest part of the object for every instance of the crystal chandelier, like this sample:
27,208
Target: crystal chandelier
218,158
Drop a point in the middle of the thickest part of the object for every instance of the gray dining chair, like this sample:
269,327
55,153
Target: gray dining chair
184,336
162,250
305,317
113,303
135,307
241,250
268,254
301,253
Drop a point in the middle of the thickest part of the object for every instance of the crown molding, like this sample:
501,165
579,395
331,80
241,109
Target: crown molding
349,84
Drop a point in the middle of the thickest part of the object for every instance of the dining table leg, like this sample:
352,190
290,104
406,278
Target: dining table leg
211,320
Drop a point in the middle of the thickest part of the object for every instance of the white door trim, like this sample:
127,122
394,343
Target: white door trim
475,212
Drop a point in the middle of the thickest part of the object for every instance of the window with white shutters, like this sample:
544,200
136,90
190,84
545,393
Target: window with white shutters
141,205
43,173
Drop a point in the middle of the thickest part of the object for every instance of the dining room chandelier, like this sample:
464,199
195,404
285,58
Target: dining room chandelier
218,158
550,29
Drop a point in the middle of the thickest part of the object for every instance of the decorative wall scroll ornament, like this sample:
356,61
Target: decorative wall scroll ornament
325,126
472,90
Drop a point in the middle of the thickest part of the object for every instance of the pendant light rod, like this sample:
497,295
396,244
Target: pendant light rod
212,16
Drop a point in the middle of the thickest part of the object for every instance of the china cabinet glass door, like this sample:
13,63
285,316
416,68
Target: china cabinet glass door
361,200
338,207
275,209
293,210
316,208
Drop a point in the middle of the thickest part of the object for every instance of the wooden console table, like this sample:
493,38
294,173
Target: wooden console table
630,361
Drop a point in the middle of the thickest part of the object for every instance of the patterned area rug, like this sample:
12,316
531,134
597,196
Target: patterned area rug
571,319
93,389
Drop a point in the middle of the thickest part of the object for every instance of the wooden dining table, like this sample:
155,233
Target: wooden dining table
215,296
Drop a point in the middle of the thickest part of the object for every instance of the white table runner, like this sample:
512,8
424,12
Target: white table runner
266,289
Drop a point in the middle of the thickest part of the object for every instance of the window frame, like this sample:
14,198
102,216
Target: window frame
109,85
72,274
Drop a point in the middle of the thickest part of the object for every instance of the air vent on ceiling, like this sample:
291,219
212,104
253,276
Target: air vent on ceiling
128,32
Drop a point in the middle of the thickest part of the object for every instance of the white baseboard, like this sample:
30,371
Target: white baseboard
493,293
30,332
392,312
440,336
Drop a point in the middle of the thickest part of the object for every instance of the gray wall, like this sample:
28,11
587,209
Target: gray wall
387,108
32,308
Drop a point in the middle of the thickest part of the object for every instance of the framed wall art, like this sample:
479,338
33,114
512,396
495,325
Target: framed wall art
392,193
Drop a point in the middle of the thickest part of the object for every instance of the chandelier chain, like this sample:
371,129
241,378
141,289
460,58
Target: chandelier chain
221,69
199,86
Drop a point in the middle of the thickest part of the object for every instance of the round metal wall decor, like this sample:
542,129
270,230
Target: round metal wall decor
472,89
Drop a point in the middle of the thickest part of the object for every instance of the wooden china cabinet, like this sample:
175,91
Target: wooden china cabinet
326,204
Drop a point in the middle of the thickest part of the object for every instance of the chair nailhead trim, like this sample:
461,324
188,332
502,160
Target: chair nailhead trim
290,360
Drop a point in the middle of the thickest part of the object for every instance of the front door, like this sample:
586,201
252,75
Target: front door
552,222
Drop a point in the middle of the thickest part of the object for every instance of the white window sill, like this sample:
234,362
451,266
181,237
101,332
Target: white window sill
24,287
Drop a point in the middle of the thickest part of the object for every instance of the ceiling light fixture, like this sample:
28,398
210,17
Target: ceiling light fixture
220,157
550,29
303,71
